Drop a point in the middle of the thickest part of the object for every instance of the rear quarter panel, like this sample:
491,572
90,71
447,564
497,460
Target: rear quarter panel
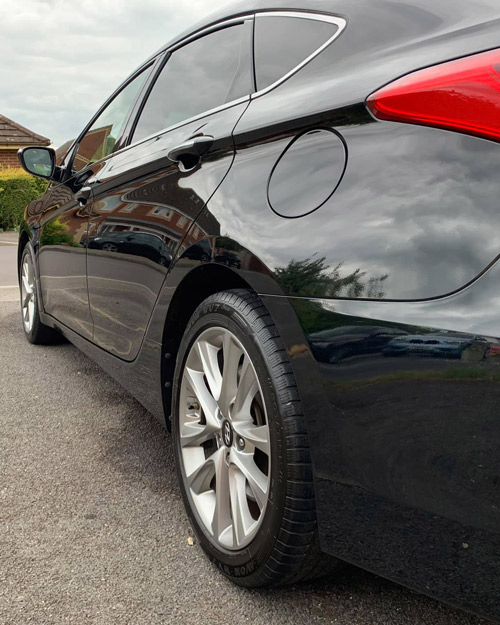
405,446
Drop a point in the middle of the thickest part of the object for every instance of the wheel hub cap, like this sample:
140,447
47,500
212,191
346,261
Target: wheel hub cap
227,433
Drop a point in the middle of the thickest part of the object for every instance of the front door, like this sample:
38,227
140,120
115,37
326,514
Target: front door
62,259
63,225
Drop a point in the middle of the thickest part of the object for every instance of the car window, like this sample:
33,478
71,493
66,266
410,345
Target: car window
281,42
149,239
100,138
202,75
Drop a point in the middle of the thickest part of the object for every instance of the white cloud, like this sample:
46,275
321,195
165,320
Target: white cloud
61,59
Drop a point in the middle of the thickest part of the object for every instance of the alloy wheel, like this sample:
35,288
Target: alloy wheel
224,439
109,247
28,293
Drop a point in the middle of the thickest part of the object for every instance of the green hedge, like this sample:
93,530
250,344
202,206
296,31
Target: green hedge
17,189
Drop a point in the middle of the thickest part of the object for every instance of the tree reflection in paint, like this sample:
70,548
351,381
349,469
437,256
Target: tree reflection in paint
315,278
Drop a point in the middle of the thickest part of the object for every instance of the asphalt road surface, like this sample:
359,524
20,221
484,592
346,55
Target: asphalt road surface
8,258
92,527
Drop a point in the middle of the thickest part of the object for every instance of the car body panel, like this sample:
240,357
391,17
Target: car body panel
405,447
423,205
62,258
141,192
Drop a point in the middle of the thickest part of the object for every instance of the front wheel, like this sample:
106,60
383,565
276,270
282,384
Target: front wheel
35,331
241,446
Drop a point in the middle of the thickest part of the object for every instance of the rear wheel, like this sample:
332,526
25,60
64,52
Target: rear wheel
36,332
241,446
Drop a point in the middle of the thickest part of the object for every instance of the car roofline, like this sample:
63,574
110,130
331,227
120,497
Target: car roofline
234,11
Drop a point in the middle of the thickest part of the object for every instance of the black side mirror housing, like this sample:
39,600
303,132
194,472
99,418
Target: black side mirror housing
40,161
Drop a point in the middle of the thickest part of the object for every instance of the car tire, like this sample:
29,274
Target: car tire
35,331
241,446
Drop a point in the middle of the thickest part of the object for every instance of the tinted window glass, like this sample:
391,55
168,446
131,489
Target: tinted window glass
282,43
200,76
100,139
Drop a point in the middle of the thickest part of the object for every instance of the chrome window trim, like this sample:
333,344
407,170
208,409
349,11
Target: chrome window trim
168,51
340,22
158,134
71,153
207,30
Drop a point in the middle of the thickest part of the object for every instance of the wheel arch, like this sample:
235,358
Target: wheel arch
196,286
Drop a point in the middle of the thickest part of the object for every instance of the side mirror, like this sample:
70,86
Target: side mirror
39,161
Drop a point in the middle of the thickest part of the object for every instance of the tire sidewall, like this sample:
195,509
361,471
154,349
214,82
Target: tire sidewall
248,561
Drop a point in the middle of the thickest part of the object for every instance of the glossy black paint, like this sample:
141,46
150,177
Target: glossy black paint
143,193
406,463
62,258
376,262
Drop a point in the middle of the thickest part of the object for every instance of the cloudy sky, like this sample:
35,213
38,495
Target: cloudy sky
62,58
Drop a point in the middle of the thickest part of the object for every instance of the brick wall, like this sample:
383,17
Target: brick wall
8,158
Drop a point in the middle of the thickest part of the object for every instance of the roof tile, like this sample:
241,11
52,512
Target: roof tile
15,134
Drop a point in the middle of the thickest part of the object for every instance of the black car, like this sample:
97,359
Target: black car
228,258
433,346
349,152
336,344
144,244
202,250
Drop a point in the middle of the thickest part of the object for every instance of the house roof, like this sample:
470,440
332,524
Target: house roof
15,134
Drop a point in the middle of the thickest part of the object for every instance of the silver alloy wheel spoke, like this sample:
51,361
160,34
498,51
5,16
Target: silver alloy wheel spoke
222,518
210,366
196,433
27,294
199,479
224,438
26,284
206,399
232,355
246,391
242,519
256,480
31,308
256,435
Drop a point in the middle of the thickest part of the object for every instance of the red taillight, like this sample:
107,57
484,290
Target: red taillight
461,95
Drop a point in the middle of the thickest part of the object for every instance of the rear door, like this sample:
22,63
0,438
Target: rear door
148,195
